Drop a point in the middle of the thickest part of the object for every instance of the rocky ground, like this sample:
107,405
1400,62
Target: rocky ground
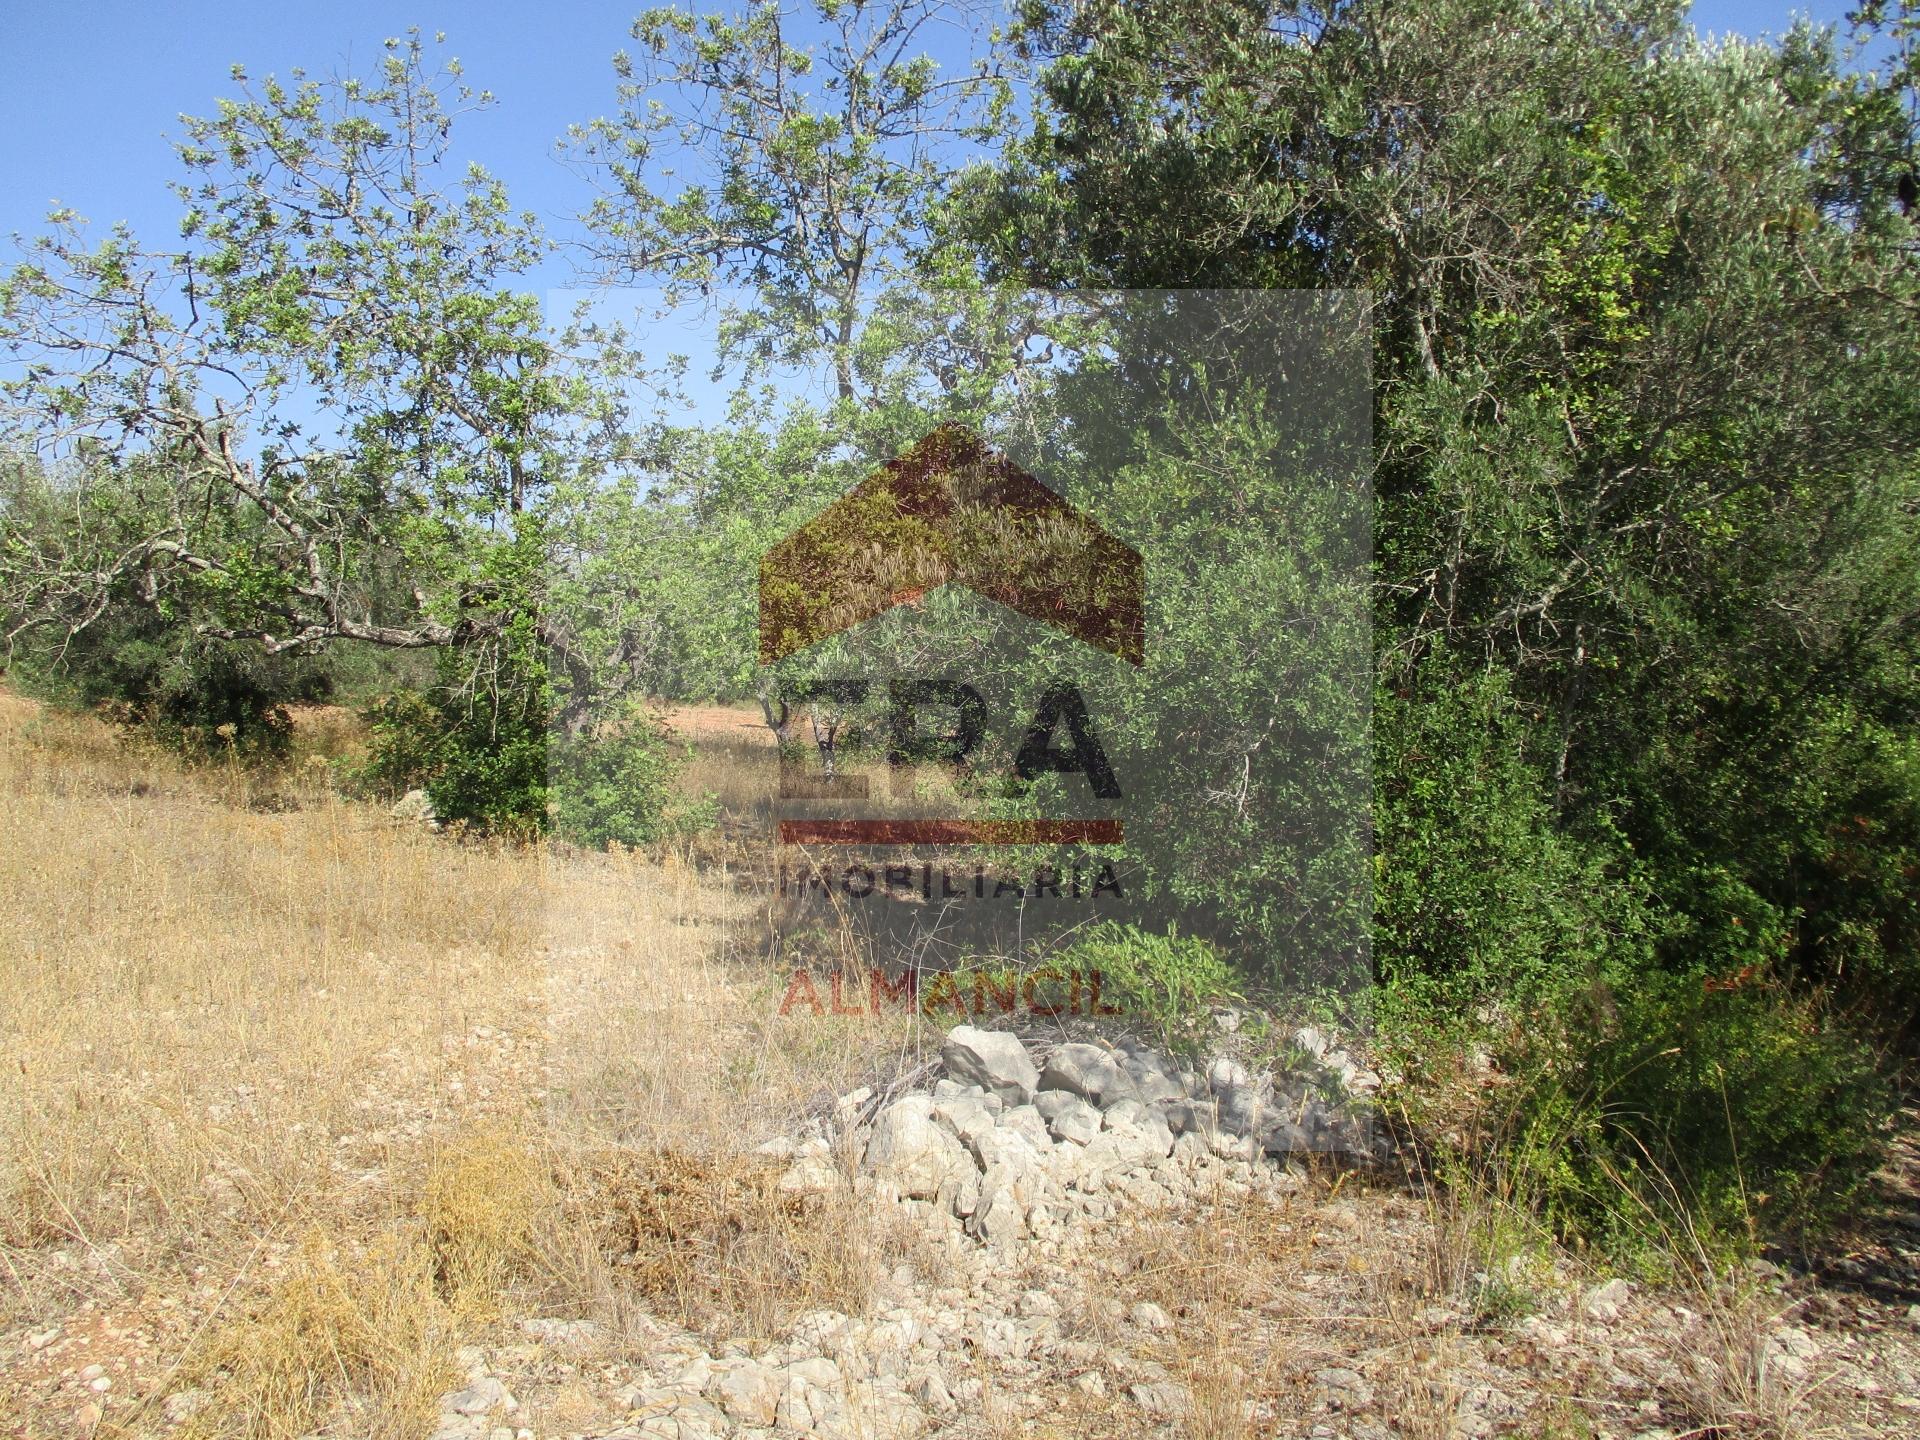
1093,1241
247,1050
1112,1245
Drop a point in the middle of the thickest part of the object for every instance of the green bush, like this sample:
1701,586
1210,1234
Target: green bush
1794,845
1684,1109
476,742
218,702
404,731
204,698
614,786
489,758
1167,981
1479,892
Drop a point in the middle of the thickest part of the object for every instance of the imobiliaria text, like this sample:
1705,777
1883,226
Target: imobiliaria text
1043,991
927,881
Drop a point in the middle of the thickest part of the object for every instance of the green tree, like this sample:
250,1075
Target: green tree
330,416
799,162
1644,342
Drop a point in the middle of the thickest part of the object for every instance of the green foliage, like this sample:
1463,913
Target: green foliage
1646,619
492,757
1672,533
1683,1110
491,766
476,742
203,698
1479,892
1821,872
215,700
1168,981
328,417
404,731
807,167
614,785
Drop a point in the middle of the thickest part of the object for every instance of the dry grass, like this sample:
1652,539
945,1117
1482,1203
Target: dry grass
214,1015
362,1339
1732,1381
1215,1270
293,1096
1209,1264
1220,1382
736,759
327,732
714,1244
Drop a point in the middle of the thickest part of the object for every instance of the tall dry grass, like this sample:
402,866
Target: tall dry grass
300,1096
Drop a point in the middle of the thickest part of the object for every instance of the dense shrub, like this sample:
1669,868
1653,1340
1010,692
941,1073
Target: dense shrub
1643,572
1794,844
1682,1109
404,731
490,756
1479,892
205,698
216,702
476,741
614,785
1166,982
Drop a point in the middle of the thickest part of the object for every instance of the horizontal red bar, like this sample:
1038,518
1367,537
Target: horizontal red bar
951,832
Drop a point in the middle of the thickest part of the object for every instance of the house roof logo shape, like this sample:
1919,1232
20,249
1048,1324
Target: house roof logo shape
951,510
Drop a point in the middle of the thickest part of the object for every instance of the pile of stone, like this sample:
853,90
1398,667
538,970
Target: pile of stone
1009,1146
416,808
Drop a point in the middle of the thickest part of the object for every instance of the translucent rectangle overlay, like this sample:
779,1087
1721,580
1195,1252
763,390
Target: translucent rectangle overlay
1046,644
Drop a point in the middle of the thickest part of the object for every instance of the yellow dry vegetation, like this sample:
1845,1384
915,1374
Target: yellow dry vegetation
294,1097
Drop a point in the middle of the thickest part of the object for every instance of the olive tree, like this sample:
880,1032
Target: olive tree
329,414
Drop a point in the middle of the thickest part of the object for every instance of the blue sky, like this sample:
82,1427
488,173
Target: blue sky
90,90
